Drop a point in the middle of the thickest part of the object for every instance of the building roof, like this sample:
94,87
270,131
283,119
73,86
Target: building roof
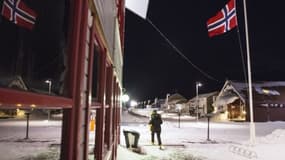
204,95
15,82
176,98
261,87
233,90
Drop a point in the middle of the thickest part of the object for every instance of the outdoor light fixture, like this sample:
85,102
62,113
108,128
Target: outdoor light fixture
49,92
125,98
49,85
198,84
133,103
19,105
179,108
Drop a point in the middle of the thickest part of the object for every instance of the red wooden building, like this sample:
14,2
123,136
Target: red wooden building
268,101
88,36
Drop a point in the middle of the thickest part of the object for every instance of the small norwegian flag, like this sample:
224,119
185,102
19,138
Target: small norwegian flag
19,13
223,21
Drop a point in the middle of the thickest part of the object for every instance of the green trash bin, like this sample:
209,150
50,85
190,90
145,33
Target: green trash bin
131,138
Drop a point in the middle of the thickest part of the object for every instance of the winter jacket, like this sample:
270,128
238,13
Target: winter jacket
155,122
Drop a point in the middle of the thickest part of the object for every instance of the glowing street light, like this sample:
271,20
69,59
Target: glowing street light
198,84
49,85
133,103
125,98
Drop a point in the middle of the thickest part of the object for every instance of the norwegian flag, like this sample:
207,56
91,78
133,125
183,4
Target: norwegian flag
223,21
19,13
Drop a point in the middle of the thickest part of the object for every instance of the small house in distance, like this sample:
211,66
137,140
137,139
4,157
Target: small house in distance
204,103
173,101
268,101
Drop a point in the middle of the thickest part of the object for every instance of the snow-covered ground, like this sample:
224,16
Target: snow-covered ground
227,140
43,143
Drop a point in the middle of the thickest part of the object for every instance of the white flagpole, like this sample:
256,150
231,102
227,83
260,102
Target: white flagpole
252,125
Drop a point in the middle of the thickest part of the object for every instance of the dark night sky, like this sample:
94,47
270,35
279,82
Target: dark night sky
152,68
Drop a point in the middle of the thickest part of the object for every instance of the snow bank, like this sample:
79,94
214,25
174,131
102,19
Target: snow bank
276,137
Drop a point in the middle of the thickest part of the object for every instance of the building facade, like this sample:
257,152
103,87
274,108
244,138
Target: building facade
203,105
268,101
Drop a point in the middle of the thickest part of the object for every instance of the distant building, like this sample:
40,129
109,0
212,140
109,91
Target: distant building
268,101
173,101
158,103
205,103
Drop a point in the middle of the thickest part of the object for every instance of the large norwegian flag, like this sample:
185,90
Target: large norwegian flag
19,13
223,21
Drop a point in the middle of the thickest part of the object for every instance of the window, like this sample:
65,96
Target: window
36,54
95,74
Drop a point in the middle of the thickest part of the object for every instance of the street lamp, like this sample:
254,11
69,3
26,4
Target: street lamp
179,107
49,92
198,84
166,101
125,98
133,103
49,85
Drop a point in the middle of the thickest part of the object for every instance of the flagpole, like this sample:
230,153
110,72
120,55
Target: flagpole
252,125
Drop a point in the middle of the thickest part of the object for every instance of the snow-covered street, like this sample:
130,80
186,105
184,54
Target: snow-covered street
228,140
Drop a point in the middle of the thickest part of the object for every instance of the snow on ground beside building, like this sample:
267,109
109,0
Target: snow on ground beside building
43,142
227,140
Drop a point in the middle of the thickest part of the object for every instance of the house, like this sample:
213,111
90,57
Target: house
158,103
268,101
15,82
204,102
173,101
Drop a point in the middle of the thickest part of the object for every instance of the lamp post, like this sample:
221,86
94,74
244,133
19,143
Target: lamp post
49,85
198,84
27,128
49,92
166,101
179,107
125,99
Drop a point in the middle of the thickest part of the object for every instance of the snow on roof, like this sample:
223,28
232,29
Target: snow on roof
207,94
176,98
204,95
259,84
261,87
13,82
267,91
234,89
227,98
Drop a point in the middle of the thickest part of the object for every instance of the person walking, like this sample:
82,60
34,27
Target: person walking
155,127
